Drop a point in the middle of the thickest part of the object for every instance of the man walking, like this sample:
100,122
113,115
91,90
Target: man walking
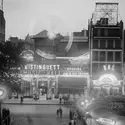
60,100
61,112
57,113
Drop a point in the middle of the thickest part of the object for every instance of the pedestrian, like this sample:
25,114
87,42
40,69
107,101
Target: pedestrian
21,99
84,121
57,113
73,122
60,100
61,112
8,117
70,122
70,114
64,99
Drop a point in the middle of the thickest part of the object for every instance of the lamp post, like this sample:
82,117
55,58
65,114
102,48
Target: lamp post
1,94
52,36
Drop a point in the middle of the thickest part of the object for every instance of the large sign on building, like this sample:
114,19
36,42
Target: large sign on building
41,67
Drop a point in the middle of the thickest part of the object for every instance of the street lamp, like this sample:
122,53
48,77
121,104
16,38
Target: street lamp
1,92
3,95
52,36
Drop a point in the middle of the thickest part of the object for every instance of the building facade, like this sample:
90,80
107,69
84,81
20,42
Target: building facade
106,45
55,70
2,26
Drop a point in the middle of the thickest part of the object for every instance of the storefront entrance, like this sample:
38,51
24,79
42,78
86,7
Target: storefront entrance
107,85
106,90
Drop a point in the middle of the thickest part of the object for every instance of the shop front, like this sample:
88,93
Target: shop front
49,80
107,84
72,81
42,79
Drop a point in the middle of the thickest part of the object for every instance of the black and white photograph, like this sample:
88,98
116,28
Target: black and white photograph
62,62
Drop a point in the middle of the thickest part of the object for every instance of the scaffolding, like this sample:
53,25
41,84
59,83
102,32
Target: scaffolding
105,14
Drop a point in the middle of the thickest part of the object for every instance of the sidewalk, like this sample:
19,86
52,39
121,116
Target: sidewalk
28,101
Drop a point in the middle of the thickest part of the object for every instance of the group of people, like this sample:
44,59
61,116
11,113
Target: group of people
6,116
64,98
59,113
73,116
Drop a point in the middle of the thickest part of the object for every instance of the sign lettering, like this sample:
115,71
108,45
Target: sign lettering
109,67
41,67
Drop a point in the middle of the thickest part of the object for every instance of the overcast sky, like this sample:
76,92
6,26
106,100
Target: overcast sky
32,16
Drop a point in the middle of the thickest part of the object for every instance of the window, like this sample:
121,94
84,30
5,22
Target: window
114,32
106,32
110,56
117,44
102,56
118,68
95,44
102,44
110,44
117,56
95,56
102,32
94,69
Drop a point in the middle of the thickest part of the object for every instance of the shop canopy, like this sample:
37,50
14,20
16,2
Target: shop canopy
71,84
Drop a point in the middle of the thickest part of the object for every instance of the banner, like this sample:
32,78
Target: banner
45,55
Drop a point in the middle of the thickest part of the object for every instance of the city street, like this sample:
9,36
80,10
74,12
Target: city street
41,112
37,114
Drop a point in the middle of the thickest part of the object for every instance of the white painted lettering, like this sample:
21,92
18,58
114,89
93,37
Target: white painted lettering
58,67
54,67
109,67
44,67
50,67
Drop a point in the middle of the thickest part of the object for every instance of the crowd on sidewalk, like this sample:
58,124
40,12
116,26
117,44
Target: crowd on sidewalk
5,119
75,118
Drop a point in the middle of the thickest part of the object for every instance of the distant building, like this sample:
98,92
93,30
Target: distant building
2,26
25,44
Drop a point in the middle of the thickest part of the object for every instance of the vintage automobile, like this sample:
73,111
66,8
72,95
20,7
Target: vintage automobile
109,110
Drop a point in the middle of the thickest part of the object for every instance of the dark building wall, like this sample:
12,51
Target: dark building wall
124,45
78,49
2,26
78,46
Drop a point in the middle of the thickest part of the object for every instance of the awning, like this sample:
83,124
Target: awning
71,84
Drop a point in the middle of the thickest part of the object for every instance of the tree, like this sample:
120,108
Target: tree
10,65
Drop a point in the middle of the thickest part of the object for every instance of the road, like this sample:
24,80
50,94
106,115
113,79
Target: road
37,114
41,112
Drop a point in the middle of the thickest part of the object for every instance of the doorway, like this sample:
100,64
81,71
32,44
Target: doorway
106,90
116,90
